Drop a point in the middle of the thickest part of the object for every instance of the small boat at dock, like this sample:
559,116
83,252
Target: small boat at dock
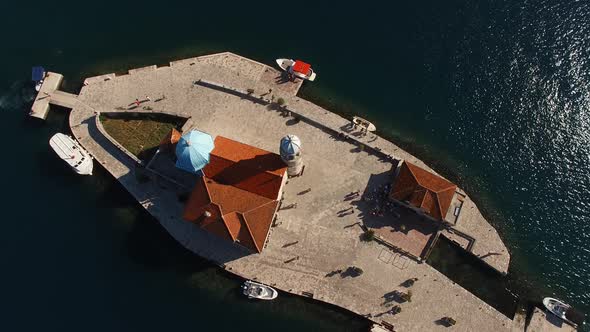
564,311
368,126
255,290
72,152
297,68
38,75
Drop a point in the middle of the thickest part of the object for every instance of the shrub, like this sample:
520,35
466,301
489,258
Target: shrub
250,91
369,235
406,296
281,101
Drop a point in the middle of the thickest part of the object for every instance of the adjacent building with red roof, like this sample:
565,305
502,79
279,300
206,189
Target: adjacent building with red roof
426,192
170,140
238,196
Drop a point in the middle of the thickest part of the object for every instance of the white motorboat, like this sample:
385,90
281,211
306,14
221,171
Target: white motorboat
563,311
363,123
297,68
72,152
255,290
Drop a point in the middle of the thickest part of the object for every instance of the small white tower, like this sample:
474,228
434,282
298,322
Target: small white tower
291,154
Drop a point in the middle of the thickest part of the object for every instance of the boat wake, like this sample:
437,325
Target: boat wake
17,97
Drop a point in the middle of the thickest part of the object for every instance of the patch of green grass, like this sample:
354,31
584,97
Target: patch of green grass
140,135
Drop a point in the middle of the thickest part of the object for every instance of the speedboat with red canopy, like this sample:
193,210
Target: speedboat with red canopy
297,68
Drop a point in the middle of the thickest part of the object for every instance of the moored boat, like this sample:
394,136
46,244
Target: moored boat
563,311
363,123
255,290
72,152
38,75
297,68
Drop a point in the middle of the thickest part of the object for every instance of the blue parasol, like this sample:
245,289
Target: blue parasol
192,151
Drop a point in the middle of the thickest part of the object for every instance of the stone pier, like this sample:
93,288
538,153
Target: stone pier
50,94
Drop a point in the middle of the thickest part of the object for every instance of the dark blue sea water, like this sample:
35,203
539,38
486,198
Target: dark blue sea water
493,94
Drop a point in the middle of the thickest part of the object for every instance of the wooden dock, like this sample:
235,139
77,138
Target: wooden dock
50,94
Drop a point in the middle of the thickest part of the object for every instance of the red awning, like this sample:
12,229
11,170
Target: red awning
301,67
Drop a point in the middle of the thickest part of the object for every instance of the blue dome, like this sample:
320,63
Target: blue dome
290,145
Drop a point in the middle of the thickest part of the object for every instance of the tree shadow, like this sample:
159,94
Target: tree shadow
409,283
443,322
344,214
351,272
394,296
356,149
333,273
352,225
292,122
392,311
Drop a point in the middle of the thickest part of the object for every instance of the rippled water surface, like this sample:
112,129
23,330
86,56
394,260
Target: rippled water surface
521,119
494,94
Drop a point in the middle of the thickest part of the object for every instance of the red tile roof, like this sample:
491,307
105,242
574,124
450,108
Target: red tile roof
239,192
424,190
248,155
246,167
264,214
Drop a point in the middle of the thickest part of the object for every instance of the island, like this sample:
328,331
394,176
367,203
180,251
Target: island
293,195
